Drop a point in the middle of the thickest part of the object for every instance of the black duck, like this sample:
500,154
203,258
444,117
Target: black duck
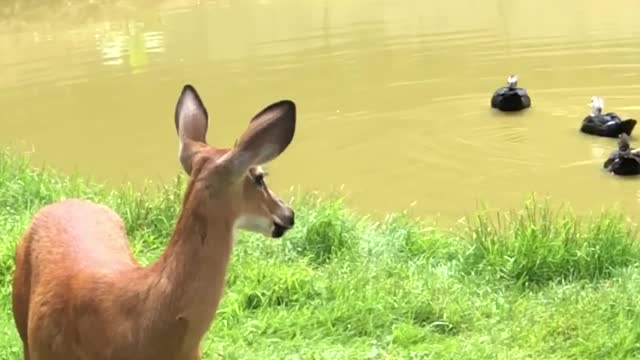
625,160
511,97
607,125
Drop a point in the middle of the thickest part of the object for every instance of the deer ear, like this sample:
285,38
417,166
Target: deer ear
191,121
269,133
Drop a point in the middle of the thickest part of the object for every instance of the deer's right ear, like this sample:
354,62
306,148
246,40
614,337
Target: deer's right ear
192,121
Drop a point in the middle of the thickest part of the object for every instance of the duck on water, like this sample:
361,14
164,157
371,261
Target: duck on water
607,125
511,97
625,160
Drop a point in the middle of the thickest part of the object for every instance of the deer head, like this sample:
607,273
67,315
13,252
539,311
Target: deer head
233,178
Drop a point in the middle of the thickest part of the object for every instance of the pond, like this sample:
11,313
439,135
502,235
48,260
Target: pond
393,96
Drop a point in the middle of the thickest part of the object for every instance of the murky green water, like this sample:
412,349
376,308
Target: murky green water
393,96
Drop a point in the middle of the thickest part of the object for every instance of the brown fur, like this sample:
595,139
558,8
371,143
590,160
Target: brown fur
78,292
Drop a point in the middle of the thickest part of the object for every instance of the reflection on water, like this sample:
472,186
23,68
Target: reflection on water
131,42
599,152
393,97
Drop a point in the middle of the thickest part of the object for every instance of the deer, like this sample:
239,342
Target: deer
78,292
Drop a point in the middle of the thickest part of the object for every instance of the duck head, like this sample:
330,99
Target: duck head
623,143
512,80
596,105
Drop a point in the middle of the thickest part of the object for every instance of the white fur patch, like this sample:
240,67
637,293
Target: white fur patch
255,224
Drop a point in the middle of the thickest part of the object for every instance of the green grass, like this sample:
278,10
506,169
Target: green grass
537,283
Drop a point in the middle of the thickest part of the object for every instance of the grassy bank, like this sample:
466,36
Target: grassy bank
533,284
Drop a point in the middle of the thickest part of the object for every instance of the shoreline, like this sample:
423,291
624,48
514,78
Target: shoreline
341,285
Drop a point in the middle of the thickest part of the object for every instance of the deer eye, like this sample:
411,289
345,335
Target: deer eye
259,179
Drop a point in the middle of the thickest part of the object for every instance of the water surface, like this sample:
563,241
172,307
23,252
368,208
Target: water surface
393,96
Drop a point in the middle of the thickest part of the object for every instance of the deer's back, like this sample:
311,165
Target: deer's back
71,250
79,236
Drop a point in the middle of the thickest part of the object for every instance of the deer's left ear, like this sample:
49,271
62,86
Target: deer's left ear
269,133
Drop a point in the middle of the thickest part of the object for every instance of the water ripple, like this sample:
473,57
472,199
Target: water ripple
396,91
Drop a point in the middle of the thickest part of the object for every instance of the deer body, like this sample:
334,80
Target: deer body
78,292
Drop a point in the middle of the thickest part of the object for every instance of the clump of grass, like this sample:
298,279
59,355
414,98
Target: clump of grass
343,286
417,241
537,245
326,229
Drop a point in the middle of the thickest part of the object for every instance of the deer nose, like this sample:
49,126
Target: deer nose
292,217
287,217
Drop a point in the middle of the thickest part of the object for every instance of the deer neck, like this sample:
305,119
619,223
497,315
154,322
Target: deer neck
187,281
